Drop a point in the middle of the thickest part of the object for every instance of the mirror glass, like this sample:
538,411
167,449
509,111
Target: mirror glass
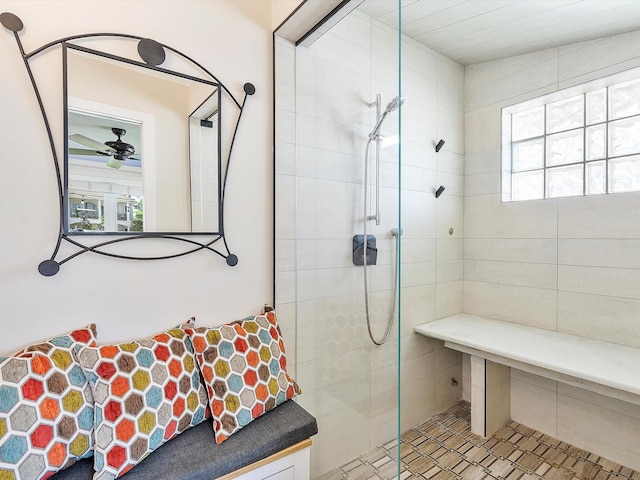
142,148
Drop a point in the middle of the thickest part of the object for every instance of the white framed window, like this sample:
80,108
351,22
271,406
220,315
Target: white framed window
584,140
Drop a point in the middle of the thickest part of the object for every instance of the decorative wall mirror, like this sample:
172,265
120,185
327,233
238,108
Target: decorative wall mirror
148,137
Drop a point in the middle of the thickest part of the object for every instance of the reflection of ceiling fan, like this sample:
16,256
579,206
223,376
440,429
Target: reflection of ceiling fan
117,149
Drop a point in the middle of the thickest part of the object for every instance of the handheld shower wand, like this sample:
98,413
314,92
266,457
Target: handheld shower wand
392,106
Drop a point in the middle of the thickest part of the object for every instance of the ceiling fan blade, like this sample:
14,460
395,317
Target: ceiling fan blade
84,151
93,144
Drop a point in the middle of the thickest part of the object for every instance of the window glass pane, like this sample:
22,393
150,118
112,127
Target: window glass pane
596,143
624,99
528,185
624,174
624,137
564,148
596,178
528,155
597,106
564,181
527,124
565,114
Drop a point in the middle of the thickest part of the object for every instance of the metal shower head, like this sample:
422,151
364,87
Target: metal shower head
393,105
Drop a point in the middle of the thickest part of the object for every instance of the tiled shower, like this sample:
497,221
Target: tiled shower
569,265
323,120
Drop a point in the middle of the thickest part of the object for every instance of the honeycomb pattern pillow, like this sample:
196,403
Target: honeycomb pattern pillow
46,408
146,392
245,369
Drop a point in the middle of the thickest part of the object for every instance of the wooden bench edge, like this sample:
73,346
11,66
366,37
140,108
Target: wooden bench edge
272,458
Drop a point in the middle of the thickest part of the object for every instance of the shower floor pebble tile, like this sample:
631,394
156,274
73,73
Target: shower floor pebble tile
443,448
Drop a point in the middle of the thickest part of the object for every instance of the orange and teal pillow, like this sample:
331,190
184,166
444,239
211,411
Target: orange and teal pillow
146,392
46,408
245,370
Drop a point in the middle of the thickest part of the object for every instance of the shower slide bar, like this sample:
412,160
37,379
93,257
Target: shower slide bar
375,135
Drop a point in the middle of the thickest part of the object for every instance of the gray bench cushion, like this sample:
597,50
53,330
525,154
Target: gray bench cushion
194,454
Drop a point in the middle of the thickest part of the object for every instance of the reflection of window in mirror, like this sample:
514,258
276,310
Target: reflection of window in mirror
106,169
175,165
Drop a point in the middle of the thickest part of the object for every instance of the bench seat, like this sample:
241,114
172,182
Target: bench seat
602,367
194,454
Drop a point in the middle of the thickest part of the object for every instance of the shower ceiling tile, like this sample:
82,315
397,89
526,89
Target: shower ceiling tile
474,31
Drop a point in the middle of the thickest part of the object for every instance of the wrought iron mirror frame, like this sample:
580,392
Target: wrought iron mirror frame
153,54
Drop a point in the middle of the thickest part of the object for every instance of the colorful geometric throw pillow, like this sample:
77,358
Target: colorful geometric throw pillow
245,369
146,392
46,408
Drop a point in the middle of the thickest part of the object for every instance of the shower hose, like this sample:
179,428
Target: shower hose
396,234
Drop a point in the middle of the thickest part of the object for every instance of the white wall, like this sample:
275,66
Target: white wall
322,124
569,265
129,299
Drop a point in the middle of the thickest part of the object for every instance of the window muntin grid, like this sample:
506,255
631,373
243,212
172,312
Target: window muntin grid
584,144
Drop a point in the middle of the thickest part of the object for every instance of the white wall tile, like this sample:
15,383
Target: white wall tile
285,158
486,217
482,161
453,183
450,162
384,41
450,83
335,137
418,402
328,209
600,252
610,319
615,282
285,126
450,248
450,215
611,433
534,406
330,449
511,86
350,113
285,291
285,83
449,271
420,153
285,207
539,275
446,392
607,216
482,183
531,250
535,307
285,255
354,28
384,418
592,56
489,72
330,165
482,130
334,49
415,55
418,306
450,127
448,299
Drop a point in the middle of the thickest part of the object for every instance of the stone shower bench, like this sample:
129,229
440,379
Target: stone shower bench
602,367
275,445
